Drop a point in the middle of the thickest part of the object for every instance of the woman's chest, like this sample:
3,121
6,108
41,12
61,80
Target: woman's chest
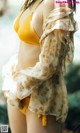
36,20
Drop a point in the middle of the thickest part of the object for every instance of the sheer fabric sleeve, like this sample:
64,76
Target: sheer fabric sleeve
57,49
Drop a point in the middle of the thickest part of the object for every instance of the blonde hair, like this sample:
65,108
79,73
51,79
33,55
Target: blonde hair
27,3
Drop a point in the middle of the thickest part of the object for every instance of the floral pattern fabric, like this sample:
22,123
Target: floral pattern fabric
44,82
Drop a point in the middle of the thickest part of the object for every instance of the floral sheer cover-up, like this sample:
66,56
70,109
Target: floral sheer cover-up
44,82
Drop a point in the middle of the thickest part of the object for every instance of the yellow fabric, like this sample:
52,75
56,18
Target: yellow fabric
25,103
45,81
16,22
25,106
25,30
44,119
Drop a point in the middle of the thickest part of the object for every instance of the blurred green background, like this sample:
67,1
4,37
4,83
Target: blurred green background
9,43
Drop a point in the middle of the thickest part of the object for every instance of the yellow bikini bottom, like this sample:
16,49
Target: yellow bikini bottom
25,106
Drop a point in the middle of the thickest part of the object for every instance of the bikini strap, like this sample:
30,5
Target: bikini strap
36,4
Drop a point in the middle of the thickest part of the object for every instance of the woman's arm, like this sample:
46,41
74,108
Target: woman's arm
57,29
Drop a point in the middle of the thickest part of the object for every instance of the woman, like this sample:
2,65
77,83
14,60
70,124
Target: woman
34,78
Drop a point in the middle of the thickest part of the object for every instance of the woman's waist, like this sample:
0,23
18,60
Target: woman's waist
28,55
28,50
24,63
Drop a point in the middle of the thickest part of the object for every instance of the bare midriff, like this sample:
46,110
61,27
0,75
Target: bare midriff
28,55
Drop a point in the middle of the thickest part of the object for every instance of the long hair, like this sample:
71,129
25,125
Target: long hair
27,3
72,4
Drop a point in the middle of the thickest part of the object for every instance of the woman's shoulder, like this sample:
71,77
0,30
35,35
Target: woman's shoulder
49,3
48,7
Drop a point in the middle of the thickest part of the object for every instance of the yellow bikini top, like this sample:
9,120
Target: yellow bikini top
25,30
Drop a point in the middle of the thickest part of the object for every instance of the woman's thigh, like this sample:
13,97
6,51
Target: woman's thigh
34,124
17,120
